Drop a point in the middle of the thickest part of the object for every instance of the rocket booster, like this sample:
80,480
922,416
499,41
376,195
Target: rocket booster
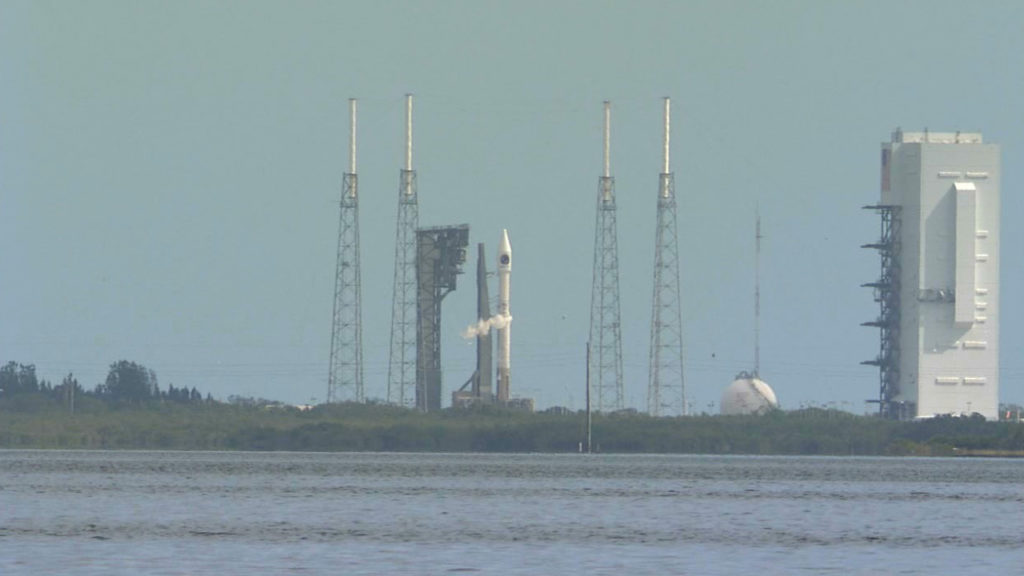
504,347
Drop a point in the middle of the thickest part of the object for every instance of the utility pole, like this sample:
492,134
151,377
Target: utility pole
590,444
757,295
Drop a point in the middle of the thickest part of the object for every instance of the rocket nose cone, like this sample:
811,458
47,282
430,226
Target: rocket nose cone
506,247
504,252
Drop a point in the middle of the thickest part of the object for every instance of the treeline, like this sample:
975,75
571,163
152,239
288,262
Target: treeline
352,427
127,383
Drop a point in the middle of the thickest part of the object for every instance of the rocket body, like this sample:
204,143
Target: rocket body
504,344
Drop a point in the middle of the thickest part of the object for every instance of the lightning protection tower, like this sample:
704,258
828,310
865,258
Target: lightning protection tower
345,380
605,327
402,357
666,392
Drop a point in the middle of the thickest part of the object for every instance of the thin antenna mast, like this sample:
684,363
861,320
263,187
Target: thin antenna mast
607,138
668,134
408,131
757,294
352,136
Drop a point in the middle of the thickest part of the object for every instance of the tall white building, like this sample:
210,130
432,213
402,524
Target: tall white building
939,290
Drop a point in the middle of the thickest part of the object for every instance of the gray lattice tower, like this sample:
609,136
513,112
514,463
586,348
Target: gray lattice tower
345,380
666,392
886,292
605,326
440,254
402,357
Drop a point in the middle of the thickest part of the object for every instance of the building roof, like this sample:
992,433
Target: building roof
928,137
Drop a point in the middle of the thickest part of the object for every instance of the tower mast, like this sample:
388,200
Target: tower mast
665,391
402,355
757,294
345,378
605,325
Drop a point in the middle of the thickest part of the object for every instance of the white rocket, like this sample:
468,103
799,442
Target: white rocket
504,348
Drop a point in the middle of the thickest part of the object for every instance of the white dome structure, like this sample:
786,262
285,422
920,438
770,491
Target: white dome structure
748,394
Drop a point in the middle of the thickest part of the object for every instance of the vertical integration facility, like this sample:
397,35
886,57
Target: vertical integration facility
938,290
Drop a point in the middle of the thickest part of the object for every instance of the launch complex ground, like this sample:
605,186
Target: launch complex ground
938,293
29,422
427,263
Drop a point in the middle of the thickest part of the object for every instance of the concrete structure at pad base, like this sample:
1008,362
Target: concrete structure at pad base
440,254
524,404
748,394
939,288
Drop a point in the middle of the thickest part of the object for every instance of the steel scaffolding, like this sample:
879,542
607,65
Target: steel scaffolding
605,323
402,355
441,252
666,392
886,291
345,378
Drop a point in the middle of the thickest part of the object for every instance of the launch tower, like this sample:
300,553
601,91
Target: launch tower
440,252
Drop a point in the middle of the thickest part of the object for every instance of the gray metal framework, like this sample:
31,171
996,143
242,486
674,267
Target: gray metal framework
402,356
605,320
441,252
666,390
886,291
345,381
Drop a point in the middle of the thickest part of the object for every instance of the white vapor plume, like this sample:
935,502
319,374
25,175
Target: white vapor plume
484,325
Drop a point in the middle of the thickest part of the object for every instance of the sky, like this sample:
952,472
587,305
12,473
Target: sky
170,172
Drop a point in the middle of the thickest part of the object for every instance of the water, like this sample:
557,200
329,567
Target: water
272,513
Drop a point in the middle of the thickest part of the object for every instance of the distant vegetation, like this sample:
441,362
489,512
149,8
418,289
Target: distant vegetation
130,411
127,384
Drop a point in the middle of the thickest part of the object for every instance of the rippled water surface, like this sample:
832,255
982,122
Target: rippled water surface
274,513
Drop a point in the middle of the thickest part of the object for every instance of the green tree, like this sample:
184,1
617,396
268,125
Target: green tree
129,382
18,378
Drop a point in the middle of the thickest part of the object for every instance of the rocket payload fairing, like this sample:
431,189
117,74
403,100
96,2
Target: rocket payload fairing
504,348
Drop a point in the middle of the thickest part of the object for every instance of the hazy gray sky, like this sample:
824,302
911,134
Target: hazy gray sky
169,175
